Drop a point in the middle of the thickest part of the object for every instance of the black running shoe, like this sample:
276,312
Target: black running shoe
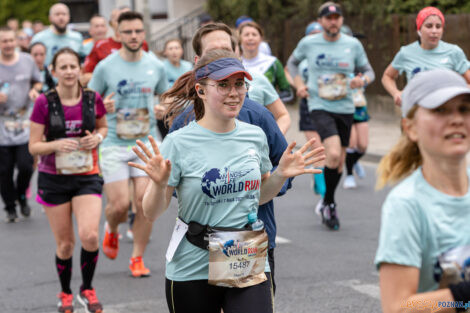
11,214
25,208
329,218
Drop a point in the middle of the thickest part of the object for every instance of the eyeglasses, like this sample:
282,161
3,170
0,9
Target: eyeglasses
129,32
224,88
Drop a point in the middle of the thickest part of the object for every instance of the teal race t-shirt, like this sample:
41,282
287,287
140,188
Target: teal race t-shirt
419,223
329,66
55,42
134,85
217,178
261,90
173,72
413,59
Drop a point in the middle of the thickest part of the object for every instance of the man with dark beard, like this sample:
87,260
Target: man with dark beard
336,64
57,36
128,80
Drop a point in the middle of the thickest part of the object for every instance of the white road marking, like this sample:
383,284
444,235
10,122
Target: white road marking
371,290
281,240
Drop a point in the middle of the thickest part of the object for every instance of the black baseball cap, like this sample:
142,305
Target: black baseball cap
330,9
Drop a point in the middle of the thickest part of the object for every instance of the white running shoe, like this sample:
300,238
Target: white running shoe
318,207
359,170
349,182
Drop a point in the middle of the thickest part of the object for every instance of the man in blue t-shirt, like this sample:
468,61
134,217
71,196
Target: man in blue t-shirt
333,61
218,36
128,80
57,36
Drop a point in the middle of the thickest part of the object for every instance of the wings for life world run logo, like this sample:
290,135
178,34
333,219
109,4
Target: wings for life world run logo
216,182
236,248
128,87
324,60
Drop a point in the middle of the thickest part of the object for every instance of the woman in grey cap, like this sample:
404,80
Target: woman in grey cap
426,217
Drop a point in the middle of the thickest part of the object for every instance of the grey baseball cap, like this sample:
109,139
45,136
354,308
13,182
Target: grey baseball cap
431,89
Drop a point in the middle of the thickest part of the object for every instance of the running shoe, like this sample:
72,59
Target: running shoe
110,243
349,182
25,209
12,216
318,207
137,267
359,170
65,304
319,187
329,217
130,234
90,302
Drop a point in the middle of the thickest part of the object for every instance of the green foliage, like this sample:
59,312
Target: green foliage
25,10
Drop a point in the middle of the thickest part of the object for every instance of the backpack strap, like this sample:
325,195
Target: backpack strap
88,111
56,116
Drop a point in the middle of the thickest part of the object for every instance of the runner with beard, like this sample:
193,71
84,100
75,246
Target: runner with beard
57,36
332,59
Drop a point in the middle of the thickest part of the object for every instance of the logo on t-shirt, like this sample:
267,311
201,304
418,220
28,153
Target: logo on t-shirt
415,71
216,182
130,87
324,60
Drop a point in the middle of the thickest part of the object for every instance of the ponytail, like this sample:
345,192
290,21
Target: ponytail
403,159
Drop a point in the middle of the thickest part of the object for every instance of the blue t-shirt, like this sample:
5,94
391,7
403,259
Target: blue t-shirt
217,184
261,90
413,59
329,66
173,73
255,114
55,42
134,85
419,223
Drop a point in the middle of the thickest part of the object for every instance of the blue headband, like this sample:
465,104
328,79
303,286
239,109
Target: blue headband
221,69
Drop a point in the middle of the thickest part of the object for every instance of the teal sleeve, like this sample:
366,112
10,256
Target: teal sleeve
162,84
281,79
265,162
97,82
300,51
397,62
460,61
400,233
169,151
361,56
270,94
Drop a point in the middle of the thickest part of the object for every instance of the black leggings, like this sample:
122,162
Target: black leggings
9,157
197,296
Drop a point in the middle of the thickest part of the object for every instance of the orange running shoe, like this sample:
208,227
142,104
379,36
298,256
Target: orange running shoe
90,302
65,304
110,243
137,267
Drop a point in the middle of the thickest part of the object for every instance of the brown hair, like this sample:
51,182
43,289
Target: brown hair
171,40
183,89
251,24
403,159
206,29
65,50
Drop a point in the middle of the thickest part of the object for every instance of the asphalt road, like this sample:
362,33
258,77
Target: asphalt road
317,270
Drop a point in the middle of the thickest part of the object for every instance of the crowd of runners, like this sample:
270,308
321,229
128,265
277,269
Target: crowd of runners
88,115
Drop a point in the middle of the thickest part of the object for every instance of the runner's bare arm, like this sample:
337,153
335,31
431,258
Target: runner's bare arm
389,81
37,146
399,287
293,67
281,115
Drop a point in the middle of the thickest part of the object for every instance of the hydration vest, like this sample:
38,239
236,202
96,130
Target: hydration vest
57,119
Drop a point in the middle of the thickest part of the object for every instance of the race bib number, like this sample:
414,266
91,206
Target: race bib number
332,86
358,97
453,266
132,123
75,162
237,258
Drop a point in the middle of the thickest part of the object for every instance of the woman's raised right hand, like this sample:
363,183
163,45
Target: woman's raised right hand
156,167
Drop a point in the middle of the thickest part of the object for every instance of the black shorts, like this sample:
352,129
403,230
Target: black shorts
329,124
305,122
197,296
59,189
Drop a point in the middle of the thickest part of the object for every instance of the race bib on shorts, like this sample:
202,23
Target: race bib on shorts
358,97
132,123
332,86
237,258
75,162
453,266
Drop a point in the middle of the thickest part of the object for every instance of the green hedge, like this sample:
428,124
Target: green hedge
25,10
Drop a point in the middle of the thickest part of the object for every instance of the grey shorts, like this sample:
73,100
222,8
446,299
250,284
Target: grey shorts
113,163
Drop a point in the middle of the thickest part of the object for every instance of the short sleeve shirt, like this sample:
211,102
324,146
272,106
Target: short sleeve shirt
55,42
134,85
325,58
217,183
261,90
173,72
19,77
73,124
419,223
413,59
